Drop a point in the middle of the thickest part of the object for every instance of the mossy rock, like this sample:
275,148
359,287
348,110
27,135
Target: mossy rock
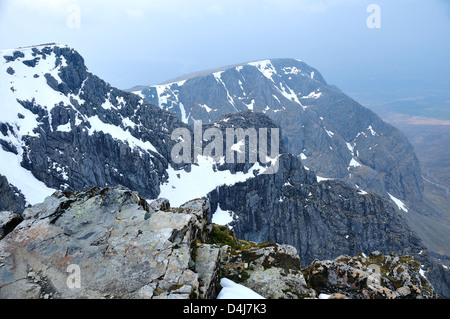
221,236
316,280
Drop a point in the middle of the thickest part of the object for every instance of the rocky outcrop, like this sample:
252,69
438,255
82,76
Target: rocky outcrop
271,270
370,277
121,247
110,243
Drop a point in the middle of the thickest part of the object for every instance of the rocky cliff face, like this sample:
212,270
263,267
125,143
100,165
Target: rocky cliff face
11,198
110,243
321,218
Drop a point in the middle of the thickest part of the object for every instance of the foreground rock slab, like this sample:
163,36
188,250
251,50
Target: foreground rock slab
105,243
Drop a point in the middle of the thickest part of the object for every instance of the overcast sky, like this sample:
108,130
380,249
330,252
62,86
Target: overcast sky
147,42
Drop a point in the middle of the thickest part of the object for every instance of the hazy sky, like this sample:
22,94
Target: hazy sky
147,42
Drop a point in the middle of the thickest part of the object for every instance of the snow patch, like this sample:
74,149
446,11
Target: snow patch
351,148
204,177
371,130
183,113
312,95
251,105
266,68
289,94
321,179
232,290
119,134
221,217
204,106
353,163
64,128
291,70
330,134
34,190
399,203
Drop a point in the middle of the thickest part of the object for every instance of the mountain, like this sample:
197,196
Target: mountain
64,129
334,135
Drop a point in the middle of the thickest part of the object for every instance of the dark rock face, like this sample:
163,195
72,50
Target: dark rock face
10,197
320,219
8,221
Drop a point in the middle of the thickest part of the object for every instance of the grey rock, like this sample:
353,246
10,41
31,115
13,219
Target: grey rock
271,270
119,251
207,265
160,204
